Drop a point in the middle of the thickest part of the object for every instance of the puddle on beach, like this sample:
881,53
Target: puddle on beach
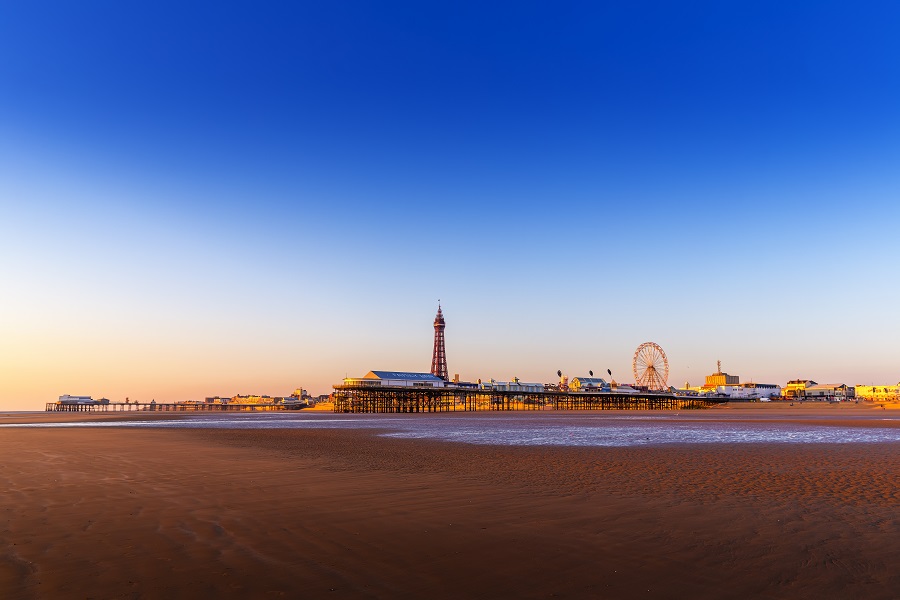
531,430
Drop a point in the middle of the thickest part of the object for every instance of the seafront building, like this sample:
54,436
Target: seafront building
720,379
833,392
748,391
807,389
730,386
253,399
878,393
796,388
300,396
761,390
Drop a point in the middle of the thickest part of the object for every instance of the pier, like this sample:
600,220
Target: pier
372,399
94,407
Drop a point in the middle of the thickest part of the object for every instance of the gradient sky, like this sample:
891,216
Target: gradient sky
212,198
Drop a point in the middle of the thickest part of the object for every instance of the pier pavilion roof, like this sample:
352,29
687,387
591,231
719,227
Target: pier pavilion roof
590,380
402,375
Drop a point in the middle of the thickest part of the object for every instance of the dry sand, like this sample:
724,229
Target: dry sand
143,513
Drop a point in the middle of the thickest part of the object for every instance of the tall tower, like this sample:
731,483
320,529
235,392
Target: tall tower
439,358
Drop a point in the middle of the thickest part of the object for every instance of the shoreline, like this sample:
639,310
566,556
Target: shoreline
813,414
778,405
328,407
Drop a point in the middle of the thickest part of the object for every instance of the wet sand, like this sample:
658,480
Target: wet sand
182,513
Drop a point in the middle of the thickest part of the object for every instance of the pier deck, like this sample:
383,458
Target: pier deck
165,407
365,399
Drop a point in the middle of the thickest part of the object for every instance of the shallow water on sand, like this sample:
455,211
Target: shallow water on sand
542,429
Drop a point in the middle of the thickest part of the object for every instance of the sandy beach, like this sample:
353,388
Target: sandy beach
185,513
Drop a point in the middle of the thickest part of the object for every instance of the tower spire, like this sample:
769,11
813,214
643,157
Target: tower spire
439,357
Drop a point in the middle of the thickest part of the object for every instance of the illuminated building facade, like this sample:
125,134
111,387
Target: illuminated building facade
719,378
878,393
796,388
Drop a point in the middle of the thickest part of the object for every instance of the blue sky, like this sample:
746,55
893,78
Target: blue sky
213,198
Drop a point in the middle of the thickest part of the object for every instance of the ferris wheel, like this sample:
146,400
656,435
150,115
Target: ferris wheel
651,367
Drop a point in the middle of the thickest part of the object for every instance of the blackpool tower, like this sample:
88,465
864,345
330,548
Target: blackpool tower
439,358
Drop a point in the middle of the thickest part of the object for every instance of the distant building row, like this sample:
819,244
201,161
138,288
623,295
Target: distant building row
300,396
723,384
